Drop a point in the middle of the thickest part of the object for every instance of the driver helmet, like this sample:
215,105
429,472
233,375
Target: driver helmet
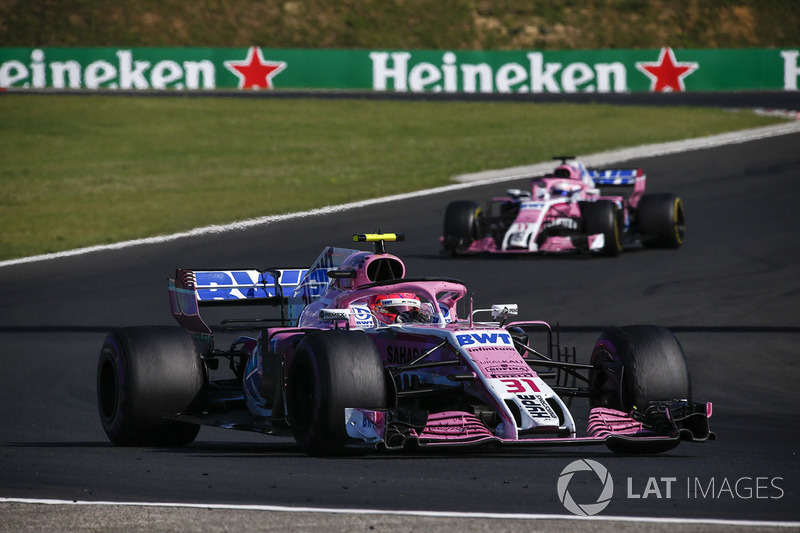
563,188
559,189
387,306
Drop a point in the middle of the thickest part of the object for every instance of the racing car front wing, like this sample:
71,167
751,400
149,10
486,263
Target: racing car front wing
658,428
554,244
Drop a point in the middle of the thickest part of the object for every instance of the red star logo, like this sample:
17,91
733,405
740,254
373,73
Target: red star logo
254,72
666,74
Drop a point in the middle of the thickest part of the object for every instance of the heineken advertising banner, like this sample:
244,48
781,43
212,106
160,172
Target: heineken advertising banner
601,71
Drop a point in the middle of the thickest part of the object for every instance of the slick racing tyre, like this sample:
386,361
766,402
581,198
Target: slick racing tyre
330,371
143,375
634,365
661,220
603,217
461,225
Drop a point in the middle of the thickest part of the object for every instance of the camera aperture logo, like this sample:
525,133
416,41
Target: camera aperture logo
585,509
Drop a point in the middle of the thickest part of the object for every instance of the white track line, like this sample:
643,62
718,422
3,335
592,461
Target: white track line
430,514
464,181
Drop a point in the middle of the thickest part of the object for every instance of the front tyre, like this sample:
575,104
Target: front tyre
661,220
330,371
143,375
634,365
461,225
603,217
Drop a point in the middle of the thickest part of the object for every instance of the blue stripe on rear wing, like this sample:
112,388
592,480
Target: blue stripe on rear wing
614,177
222,285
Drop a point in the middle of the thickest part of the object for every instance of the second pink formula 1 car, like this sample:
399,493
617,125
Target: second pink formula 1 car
574,209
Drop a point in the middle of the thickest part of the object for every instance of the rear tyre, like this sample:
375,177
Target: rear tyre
461,225
603,217
661,220
634,365
143,375
330,371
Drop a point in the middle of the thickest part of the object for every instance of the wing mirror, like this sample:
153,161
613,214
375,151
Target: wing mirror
500,310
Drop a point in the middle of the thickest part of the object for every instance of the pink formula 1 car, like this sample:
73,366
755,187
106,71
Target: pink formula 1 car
363,358
572,209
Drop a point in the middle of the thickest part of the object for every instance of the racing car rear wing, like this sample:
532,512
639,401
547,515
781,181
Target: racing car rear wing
290,288
192,289
619,178
627,176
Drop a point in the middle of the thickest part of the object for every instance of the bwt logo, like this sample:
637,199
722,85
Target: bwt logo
483,338
585,509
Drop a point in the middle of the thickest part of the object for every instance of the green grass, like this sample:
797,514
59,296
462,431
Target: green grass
83,170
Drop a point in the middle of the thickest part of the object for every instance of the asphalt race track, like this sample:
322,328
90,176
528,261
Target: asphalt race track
731,294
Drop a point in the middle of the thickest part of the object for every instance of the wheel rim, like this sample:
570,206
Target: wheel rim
608,389
617,241
303,396
679,222
108,390
474,228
